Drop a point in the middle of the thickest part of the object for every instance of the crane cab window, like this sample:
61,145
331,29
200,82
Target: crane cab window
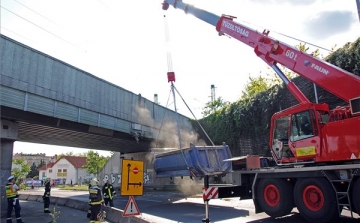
302,125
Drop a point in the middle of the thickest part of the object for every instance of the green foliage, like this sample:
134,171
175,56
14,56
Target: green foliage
83,154
65,154
94,162
347,57
254,87
34,171
55,214
75,188
42,163
21,169
213,106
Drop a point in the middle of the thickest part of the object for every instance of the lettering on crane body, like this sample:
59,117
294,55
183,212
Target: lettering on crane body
320,69
235,28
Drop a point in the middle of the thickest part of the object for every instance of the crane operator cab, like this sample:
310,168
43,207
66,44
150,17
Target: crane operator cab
295,135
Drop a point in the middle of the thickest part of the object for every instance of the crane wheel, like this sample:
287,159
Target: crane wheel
356,196
274,197
316,200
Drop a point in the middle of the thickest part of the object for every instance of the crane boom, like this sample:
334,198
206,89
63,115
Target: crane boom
337,81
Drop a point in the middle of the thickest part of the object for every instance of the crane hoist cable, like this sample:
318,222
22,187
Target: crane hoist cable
171,75
171,79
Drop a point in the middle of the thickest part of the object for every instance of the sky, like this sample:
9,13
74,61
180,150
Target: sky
123,42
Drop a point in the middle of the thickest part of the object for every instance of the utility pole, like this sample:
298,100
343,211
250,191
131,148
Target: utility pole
213,93
156,100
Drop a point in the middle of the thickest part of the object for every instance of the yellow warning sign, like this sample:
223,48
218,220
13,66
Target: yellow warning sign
132,178
306,151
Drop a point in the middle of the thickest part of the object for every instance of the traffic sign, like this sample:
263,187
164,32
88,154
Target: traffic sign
132,178
131,208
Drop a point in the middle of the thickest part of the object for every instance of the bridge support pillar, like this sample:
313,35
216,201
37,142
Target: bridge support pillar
9,134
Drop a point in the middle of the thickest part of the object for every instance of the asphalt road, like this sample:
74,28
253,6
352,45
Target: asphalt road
173,206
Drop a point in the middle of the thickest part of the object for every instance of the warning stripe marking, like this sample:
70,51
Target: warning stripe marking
210,193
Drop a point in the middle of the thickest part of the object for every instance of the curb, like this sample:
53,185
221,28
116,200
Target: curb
113,215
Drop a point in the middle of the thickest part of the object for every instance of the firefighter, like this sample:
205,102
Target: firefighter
96,200
13,201
109,193
46,197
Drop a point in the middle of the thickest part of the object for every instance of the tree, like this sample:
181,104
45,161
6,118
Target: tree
254,87
42,163
34,171
213,106
347,57
21,168
65,154
94,162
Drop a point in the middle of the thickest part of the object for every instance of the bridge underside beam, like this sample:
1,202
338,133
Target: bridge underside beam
42,129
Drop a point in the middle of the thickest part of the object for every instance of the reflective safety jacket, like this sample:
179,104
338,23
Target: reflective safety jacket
108,191
95,195
10,192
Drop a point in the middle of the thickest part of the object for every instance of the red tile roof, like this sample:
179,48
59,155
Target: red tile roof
49,165
76,161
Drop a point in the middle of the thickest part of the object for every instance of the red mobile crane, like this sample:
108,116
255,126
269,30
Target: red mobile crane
317,150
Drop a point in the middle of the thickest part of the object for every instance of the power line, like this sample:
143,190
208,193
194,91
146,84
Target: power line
290,37
38,13
43,29
16,34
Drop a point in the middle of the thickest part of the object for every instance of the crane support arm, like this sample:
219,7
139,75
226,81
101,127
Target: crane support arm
337,81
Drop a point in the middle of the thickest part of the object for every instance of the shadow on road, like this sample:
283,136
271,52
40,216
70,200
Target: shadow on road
216,213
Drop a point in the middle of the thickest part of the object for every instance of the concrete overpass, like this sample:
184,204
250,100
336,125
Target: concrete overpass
44,100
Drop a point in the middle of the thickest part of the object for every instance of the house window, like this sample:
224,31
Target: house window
59,173
50,170
64,172
43,174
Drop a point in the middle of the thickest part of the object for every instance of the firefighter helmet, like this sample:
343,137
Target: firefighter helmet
94,182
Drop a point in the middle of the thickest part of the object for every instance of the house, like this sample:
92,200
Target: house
66,170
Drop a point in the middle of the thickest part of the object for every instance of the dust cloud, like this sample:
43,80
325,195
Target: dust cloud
171,138
168,133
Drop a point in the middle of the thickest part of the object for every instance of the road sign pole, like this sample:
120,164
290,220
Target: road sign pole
206,185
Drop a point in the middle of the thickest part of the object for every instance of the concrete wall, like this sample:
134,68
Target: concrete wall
111,171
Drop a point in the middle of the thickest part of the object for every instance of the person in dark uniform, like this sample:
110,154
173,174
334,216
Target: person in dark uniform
108,192
96,200
13,201
305,126
88,215
46,197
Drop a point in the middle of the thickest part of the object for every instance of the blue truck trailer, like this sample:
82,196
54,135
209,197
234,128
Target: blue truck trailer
195,161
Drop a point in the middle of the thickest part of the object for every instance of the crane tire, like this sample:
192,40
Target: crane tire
275,197
316,200
356,196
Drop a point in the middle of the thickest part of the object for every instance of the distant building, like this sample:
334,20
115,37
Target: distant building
34,158
66,170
